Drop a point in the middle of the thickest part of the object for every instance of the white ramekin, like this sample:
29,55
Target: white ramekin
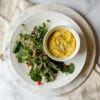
50,32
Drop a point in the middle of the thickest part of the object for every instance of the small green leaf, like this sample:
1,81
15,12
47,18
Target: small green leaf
23,25
48,20
70,68
20,60
17,47
35,77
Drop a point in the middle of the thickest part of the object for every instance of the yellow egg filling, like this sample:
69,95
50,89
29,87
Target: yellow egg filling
61,43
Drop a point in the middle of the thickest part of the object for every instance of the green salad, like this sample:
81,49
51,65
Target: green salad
28,48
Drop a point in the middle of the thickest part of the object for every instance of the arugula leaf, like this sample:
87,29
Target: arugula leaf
35,77
70,68
17,47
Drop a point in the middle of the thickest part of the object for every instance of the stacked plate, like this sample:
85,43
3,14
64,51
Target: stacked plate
83,61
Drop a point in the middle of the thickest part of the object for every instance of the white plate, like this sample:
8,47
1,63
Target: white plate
37,18
91,46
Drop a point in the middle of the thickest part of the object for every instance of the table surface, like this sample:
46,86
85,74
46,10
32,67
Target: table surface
90,10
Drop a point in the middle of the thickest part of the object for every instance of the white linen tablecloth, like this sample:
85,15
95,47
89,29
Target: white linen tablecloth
9,10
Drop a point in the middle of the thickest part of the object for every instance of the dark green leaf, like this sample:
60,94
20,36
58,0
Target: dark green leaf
70,68
36,77
17,47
